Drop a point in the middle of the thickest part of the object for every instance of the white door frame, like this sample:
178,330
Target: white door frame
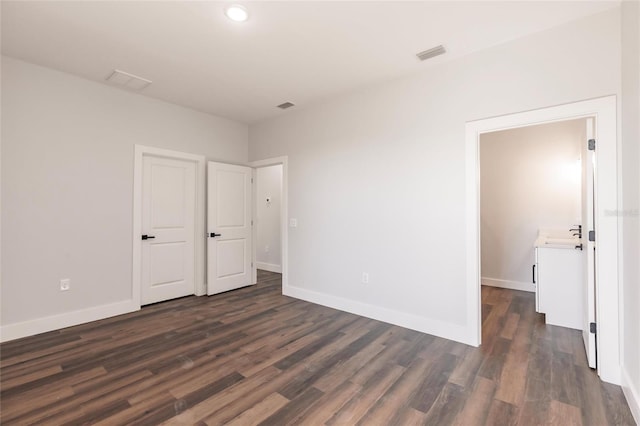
284,214
140,151
606,221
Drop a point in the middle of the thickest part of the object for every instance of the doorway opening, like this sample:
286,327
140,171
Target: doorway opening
603,112
270,213
268,224
535,263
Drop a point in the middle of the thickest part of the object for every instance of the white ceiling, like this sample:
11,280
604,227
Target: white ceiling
287,51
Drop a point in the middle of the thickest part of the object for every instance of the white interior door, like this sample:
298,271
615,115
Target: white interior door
588,224
168,229
229,227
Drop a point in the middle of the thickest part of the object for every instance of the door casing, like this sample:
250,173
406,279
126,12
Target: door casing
140,151
603,110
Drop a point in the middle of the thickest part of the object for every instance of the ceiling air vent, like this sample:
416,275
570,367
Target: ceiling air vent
438,50
127,80
286,105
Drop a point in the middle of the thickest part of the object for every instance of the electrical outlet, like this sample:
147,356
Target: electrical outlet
293,223
266,249
65,284
365,278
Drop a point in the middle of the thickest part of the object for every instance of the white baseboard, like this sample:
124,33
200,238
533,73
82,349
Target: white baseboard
269,267
632,393
446,330
56,322
513,285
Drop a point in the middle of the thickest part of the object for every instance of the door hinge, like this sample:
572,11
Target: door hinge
592,144
592,327
592,235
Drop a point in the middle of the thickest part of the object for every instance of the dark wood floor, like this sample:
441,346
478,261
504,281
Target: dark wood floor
253,356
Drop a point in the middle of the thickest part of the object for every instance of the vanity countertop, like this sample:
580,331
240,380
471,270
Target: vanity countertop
556,239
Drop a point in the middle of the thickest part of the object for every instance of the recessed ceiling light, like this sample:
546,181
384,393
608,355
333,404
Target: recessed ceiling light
237,13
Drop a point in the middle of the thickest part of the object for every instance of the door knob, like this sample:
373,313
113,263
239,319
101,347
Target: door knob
148,237
213,235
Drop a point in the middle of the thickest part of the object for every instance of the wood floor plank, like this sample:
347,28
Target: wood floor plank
30,376
511,325
433,383
502,413
312,375
411,417
242,396
290,412
330,403
477,404
253,356
84,398
387,409
379,361
563,379
590,394
261,411
50,384
467,369
343,372
513,379
447,406
616,409
376,386
563,415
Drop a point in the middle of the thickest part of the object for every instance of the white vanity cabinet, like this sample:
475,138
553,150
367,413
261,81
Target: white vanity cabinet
559,285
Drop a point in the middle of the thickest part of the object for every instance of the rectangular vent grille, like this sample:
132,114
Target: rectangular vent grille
438,50
286,105
127,80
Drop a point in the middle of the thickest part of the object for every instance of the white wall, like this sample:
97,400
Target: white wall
529,179
268,185
67,184
630,160
377,177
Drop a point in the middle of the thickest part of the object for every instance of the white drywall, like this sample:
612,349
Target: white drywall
67,187
630,161
377,177
268,186
530,178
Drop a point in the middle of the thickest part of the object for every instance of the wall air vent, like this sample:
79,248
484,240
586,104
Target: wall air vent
286,105
127,80
438,50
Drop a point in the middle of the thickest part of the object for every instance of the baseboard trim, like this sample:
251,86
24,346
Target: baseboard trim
56,322
442,329
632,394
269,267
513,285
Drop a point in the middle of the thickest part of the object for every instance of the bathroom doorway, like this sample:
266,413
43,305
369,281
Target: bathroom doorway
603,112
530,181
532,257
